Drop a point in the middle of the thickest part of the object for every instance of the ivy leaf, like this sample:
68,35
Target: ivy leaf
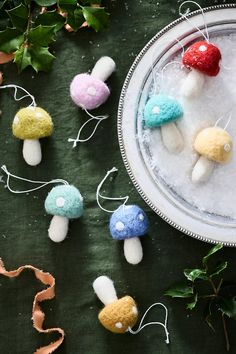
96,17
193,274
191,305
213,250
19,17
41,35
22,58
180,290
228,307
67,5
51,18
45,2
41,58
75,19
90,2
10,40
222,266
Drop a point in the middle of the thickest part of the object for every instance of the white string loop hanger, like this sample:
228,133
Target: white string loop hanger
89,91
127,222
202,57
30,124
120,315
64,202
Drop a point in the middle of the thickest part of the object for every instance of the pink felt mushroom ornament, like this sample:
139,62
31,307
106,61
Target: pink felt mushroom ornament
89,91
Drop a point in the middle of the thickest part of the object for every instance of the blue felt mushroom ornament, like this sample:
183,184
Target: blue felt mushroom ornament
128,223
163,111
64,202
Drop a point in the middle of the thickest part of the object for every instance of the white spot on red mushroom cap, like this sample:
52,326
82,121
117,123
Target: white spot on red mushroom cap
202,48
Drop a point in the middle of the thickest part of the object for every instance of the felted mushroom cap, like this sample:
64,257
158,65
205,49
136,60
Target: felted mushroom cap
88,92
128,221
64,201
215,144
204,57
118,316
160,110
32,123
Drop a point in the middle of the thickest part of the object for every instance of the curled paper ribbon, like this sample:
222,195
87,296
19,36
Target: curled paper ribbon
37,314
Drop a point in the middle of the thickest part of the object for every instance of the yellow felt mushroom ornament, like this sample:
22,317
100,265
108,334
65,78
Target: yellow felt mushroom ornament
213,144
30,124
120,315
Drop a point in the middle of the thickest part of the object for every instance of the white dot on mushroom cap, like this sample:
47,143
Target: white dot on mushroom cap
91,91
60,202
227,147
16,120
134,310
141,217
39,115
202,48
119,325
120,226
32,108
156,110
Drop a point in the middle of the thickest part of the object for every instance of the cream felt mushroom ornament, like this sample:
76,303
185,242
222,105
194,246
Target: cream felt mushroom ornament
202,58
127,223
89,91
64,202
30,124
214,145
121,315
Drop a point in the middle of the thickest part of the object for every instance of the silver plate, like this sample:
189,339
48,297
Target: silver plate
180,214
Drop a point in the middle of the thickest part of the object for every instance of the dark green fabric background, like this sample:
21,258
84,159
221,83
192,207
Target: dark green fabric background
89,250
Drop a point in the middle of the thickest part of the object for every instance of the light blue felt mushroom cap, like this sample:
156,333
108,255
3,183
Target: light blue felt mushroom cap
64,201
160,110
128,221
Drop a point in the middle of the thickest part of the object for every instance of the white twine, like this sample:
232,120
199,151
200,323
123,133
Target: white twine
99,120
227,123
16,87
164,325
99,195
42,183
184,15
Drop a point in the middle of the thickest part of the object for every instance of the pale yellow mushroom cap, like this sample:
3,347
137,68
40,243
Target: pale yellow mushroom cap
215,144
32,123
118,316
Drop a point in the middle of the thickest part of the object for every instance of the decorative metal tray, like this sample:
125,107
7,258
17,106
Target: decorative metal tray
209,227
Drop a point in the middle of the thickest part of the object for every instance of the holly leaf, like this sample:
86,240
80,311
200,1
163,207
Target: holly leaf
41,58
10,40
228,307
46,2
193,274
51,18
180,290
213,250
22,58
19,17
96,17
192,304
41,35
222,266
75,19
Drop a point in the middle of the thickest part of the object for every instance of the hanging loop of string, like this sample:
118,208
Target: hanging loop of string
27,94
42,183
164,325
99,195
185,16
227,123
99,120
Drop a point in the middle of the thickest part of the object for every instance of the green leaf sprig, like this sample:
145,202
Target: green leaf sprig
206,283
31,26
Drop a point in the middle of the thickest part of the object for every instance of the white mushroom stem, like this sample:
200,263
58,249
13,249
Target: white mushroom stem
105,290
193,84
103,68
172,138
58,228
133,250
202,170
32,152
